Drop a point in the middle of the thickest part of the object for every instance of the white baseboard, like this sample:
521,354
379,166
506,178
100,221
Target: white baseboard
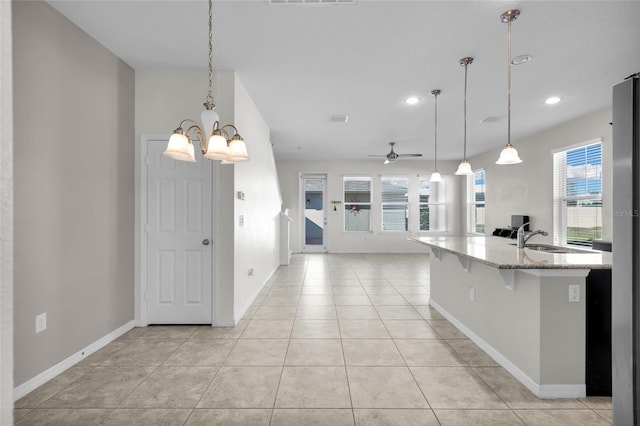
69,362
541,391
238,315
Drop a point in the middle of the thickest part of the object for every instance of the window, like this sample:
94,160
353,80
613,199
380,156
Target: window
475,209
577,195
357,204
395,204
432,203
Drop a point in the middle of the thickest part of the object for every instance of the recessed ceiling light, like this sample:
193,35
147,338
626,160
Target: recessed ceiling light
519,60
553,100
412,100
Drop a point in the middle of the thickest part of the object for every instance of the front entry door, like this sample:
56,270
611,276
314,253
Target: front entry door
314,218
179,251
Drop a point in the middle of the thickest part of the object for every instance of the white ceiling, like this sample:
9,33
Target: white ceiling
302,64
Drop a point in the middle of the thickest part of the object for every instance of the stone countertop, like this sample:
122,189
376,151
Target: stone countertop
501,253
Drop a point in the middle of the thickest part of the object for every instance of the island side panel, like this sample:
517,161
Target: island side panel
563,331
506,320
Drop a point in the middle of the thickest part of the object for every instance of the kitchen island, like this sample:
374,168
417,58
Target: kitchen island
524,307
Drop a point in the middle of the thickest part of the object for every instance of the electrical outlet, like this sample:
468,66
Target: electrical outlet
41,322
250,272
472,294
574,293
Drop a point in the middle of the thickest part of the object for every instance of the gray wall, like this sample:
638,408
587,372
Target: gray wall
74,188
6,218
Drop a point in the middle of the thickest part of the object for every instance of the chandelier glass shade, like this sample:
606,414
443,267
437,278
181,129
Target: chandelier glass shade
217,142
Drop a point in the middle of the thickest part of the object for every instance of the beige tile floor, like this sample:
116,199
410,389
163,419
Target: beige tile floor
331,340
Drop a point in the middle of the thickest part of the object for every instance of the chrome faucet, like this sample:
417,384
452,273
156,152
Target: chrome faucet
522,239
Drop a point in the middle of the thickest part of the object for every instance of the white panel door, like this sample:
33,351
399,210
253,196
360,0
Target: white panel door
179,252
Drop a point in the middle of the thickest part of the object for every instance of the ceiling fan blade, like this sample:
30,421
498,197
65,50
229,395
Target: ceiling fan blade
409,155
373,155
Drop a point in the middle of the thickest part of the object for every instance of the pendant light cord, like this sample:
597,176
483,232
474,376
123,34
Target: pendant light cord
435,138
465,111
209,99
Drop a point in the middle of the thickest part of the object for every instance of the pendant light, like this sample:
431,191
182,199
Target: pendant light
435,176
509,154
465,168
216,142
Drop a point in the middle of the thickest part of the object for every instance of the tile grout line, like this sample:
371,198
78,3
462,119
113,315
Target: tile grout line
344,359
284,360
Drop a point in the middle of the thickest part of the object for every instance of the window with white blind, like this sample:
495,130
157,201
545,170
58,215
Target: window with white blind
395,203
475,202
577,194
357,204
433,206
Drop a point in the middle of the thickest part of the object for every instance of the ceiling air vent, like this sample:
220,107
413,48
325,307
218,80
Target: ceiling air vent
339,118
310,2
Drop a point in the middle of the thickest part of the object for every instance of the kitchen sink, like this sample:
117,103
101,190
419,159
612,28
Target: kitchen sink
546,248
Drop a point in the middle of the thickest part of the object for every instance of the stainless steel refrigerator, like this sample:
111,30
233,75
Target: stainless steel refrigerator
625,290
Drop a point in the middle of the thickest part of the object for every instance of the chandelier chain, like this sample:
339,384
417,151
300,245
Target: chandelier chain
210,92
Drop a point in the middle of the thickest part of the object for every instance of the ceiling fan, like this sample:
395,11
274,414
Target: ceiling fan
392,156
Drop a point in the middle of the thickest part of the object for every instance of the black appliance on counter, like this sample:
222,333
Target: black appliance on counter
517,220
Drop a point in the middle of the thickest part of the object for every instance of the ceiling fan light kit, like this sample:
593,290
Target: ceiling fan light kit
509,154
217,142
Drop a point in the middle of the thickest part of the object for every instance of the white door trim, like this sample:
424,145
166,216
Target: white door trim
141,235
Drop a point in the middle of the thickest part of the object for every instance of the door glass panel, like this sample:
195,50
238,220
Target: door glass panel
314,211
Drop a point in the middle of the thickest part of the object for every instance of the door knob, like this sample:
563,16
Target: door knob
205,242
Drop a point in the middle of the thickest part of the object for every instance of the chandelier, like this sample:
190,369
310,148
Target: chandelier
217,142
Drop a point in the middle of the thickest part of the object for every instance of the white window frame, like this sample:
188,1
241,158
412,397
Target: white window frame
406,204
440,200
560,198
346,202
472,203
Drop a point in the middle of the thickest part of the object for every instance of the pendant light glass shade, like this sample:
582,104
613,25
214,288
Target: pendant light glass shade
180,148
464,168
509,155
435,177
